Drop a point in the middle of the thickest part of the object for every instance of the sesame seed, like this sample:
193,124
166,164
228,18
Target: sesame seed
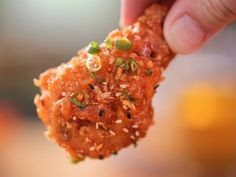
125,130
132,137
162,79
68,125
71,94
112,133
97,125
119,121
48,136
92,148
99,147
137,133
125,107
118,94
87,140
123,86
101,125
135,126
63,93
80,155
74,118
106,53
137,37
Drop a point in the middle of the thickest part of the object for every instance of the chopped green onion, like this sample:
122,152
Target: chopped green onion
93,47
123,44
119,61
148,72
108,43
127,62
77,103
127,96
75,161
93,75
133,65
124,93
95,78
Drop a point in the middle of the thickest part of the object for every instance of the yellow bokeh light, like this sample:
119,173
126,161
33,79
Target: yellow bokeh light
204,105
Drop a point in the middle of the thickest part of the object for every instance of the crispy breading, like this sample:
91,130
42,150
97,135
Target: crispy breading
101,100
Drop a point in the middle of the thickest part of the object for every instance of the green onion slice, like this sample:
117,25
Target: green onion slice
93,47
148,72
95,78
108,43
77,103
119,61
131,63
123,44
75,161
127,63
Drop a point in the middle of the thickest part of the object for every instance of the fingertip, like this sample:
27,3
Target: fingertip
131,10
182,32
185,35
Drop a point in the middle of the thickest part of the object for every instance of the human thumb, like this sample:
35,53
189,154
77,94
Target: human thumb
190,23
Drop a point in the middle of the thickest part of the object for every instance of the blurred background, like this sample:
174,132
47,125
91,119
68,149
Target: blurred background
195,108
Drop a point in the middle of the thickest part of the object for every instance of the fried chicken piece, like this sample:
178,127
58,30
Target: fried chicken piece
100,101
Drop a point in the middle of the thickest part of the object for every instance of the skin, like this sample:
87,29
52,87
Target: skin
189,23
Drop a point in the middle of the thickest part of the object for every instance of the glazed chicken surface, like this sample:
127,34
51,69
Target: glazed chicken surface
101,100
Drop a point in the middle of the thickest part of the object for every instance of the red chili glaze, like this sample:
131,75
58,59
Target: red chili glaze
114,108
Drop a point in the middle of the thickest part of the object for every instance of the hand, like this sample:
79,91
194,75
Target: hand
189,23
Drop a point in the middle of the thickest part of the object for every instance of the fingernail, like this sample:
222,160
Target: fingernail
185,35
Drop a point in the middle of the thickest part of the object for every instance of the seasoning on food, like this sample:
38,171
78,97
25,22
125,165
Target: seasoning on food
108,43
148,72
77,103
93,47
118,61
123,44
